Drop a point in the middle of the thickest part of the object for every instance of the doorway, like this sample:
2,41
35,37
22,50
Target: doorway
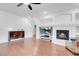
46,32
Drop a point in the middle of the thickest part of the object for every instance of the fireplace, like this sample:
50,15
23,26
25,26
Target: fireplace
62,34
15,35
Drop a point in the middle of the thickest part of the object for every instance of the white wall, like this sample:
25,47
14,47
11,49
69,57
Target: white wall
44,22
8,21
75,17
63,19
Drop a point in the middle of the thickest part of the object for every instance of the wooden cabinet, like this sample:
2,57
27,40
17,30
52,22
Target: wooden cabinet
16,34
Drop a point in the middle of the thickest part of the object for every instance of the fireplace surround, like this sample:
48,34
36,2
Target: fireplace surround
62,34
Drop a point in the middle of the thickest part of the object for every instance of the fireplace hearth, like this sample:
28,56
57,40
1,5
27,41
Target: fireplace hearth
62,34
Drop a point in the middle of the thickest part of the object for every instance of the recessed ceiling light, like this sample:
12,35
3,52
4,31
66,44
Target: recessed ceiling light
10,29
48,16
26,3
29,17
44,12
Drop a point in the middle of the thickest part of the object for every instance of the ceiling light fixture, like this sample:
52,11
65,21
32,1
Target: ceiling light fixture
26,3
44,12
10,29
48,16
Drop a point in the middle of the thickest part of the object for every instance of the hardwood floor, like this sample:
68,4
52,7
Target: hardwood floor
32,47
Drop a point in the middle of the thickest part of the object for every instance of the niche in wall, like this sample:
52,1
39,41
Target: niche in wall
77,16
77,31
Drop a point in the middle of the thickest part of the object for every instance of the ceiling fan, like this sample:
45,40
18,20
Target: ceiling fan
29,5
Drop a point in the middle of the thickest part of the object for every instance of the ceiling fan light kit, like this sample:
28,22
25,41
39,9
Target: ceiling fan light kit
28,4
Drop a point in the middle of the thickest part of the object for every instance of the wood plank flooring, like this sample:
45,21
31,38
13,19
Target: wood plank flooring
32,47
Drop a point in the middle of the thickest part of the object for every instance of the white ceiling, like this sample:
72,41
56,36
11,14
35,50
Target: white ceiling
39,11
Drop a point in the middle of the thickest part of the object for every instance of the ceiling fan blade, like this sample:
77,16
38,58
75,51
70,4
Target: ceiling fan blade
29,6
35,3
20,4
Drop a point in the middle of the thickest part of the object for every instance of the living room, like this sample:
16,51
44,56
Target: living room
19,24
